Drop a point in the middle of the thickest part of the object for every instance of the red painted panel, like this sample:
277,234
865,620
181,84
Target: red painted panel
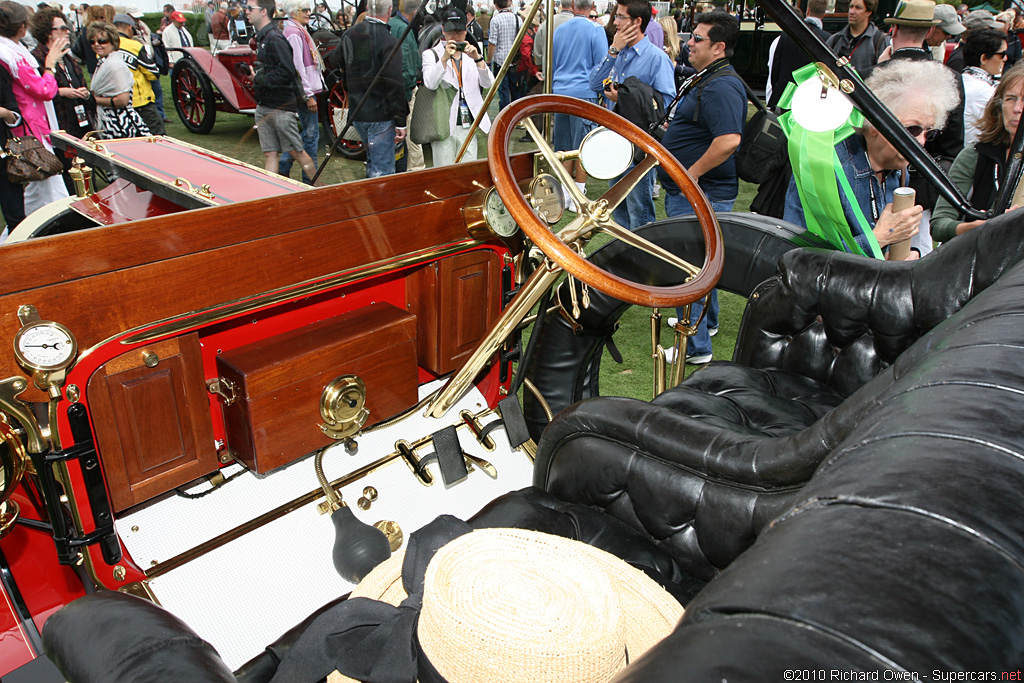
121,202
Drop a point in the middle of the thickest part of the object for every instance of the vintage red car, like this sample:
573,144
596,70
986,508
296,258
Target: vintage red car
203,84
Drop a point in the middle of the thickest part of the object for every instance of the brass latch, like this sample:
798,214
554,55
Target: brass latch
224,388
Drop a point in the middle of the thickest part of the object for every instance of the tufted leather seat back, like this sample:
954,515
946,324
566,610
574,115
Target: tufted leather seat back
905,551
840,319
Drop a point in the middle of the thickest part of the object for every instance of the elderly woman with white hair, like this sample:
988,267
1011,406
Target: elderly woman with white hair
920,94
310,67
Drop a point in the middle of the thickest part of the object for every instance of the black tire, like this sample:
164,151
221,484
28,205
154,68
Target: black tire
193,96
333,109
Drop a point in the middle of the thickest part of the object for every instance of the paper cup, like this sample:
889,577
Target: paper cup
902,198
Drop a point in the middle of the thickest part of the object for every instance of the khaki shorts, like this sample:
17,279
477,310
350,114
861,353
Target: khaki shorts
278,130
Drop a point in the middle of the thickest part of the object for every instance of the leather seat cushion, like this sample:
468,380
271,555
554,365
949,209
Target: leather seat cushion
756,401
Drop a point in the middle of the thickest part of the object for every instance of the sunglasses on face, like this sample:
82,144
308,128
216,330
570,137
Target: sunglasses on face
99,41
1001,55
593,16
699,39
929,133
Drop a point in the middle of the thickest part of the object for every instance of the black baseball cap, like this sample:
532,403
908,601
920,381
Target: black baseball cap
454,20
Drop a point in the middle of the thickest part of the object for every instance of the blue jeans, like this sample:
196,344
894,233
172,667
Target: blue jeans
638,209
570,130
700,343
158,97
510,86
379,138
310,123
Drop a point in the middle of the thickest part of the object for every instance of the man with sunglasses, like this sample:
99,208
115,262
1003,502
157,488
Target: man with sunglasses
703,136
278,91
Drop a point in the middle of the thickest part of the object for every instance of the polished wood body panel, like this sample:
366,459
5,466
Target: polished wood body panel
152,424
104,281
276,414
456,300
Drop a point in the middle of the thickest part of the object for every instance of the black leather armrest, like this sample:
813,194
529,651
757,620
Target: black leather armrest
109,636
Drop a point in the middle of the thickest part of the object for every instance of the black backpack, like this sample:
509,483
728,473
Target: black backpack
763,151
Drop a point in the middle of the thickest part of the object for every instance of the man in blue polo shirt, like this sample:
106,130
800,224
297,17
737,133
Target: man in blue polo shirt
703,136
631,54
578,46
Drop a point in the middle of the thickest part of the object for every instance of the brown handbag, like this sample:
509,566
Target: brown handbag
28,160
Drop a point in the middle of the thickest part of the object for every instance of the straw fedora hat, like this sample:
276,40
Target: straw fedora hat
914,13
513,605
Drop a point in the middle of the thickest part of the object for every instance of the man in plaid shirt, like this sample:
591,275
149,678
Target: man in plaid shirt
504,27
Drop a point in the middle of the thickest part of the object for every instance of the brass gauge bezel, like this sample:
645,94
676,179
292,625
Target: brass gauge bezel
25,362
481,225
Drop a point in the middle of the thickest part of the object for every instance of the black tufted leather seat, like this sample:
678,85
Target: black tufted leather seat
707,465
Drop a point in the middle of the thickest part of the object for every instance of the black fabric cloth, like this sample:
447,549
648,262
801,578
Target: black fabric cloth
81,49
990,167
364,49
370,640
788,58
12,195
275,83
69,75
956,58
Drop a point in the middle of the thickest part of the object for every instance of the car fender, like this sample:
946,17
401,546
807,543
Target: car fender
229,85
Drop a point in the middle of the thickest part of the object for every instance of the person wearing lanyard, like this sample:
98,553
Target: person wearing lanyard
631,54
454,63
921,94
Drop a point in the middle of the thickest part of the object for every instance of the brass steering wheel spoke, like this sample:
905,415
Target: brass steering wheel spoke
557,170
618,192
634,240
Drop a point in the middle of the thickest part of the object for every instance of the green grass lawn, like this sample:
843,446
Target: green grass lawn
233,135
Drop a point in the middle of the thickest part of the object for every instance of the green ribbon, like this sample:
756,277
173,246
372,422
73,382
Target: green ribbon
819,174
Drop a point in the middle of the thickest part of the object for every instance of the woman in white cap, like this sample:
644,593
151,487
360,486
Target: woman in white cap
461,72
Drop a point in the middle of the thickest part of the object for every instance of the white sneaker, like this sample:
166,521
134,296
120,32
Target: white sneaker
698,360
672,321
712,331
670,354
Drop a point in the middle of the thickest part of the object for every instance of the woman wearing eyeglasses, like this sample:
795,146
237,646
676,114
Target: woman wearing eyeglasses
112,86
34,88
921,94
984,56
980,169
75,109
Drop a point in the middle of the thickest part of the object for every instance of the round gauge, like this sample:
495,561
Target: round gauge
497,216
45,345
547,198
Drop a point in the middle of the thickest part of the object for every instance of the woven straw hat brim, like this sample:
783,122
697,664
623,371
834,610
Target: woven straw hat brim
915,13
516,605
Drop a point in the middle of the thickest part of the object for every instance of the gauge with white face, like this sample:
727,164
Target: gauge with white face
45,345
497,216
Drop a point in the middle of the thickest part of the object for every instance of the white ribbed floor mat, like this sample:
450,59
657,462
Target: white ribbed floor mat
243,595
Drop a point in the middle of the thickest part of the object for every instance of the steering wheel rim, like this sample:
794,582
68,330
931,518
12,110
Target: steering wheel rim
498,143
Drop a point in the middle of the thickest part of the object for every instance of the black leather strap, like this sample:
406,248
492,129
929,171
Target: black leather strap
449,456
515,423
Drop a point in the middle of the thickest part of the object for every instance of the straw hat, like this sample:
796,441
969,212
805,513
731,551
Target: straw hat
914,13
513,605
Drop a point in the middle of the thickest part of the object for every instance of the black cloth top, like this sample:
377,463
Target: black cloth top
69,75
364,49
788,58
989,174
275,83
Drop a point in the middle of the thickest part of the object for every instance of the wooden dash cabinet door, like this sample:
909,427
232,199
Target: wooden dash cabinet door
456,301
153,425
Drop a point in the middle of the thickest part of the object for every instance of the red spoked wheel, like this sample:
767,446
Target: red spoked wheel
193,96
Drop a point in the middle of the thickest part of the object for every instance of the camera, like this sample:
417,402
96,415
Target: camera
460,46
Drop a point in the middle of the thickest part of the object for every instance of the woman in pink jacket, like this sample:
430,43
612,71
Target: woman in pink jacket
34,93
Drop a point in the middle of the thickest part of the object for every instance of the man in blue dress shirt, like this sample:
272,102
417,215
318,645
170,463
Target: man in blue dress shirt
631,54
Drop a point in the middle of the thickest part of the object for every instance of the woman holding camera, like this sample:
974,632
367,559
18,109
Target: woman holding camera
461,71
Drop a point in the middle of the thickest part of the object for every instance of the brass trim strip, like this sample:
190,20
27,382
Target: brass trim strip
267,517
213,314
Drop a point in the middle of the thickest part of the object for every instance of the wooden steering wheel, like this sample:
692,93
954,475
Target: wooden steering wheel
596,215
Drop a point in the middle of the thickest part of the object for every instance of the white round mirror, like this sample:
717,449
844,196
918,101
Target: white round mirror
820,109
605,154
